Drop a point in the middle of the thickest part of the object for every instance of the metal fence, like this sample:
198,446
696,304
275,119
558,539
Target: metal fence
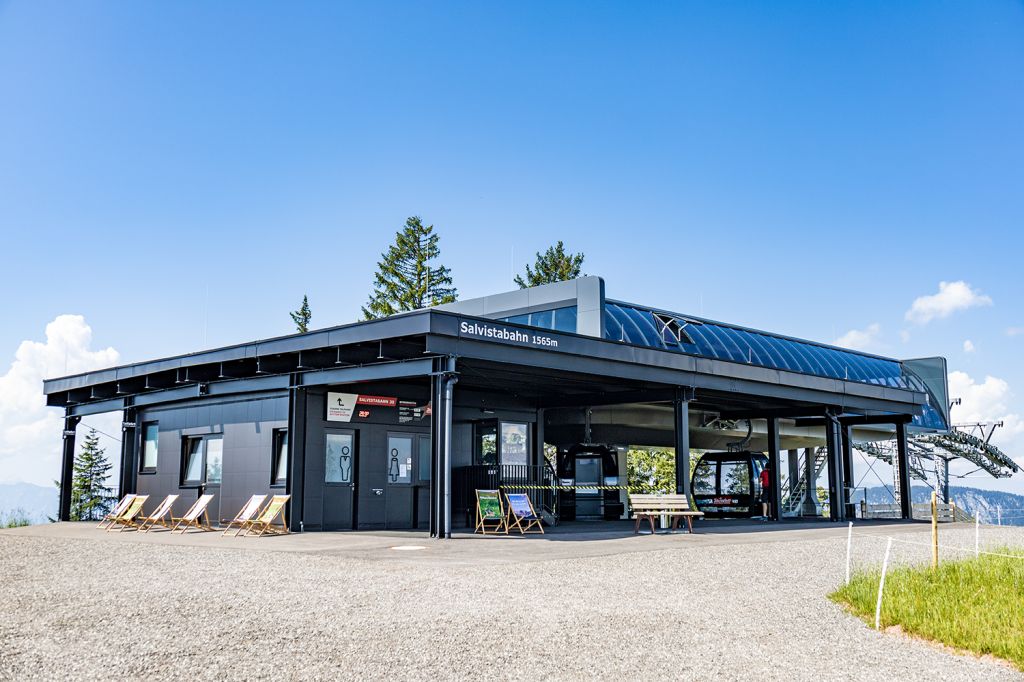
536,481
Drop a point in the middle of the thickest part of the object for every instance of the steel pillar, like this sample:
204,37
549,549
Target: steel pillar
836,502
297,399
774,470
442,382
903,459
848,482
793,460
67,467
682,444
811,506
129,453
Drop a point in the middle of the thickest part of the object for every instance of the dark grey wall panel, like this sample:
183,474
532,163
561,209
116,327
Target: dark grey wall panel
247,428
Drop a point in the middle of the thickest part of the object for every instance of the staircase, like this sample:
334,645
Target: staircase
793,494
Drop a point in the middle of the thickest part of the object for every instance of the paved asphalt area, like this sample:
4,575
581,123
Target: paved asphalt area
741,604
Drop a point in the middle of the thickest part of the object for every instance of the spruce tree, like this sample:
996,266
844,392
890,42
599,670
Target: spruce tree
302,316
90,498
554,265
405,279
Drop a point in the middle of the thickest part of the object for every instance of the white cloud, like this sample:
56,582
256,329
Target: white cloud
989,401
952,297
904,336
30,432
860,339
969,346
1015,331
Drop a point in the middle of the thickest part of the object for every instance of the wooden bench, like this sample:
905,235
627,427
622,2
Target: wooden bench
650,506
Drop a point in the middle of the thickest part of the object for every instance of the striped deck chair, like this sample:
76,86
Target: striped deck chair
117,510
264,523
161,516
195,517
245,515
126,519
521,515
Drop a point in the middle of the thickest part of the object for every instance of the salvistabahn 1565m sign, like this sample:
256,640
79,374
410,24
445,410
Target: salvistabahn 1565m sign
497,332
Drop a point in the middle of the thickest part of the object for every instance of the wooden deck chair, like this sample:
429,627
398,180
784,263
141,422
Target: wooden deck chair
195,517
521,515
117,510
126,519
264,522
161,516
490,513
244,516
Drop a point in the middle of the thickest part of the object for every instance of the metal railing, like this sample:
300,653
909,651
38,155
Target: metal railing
538,482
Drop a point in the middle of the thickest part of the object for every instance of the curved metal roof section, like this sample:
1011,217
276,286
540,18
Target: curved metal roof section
643,326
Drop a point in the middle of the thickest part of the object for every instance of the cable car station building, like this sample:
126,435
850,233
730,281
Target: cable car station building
393,423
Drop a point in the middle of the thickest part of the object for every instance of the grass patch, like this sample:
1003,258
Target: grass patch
975,604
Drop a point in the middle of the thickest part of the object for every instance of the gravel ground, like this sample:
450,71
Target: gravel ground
98,609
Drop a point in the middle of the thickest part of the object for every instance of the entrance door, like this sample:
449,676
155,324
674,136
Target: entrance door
400,499
589,503
340,476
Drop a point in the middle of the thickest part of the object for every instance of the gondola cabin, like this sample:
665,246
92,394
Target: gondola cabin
727,484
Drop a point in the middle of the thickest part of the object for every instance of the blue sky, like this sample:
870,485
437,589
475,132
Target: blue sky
180,174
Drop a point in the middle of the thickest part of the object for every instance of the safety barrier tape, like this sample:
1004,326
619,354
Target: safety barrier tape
564,487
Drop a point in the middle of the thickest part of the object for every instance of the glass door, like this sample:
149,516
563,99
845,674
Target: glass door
340,466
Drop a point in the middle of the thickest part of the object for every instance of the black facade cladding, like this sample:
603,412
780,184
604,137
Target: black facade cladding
247,429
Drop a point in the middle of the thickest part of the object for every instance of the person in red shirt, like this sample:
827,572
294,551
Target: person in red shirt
766,492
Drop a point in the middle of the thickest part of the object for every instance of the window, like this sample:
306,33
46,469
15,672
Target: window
399,459
202,461
735,478
487,443
514,443
279,458
339,448
423,443
704,478
214,460
192,462
150,436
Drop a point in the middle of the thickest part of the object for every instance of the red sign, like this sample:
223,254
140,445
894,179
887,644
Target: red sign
723,500
376,400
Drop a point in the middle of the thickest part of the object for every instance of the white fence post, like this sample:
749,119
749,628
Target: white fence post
975,535
849,542
881,585
999,516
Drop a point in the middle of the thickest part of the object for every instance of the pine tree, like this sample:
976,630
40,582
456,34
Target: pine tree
90,498
302,316
554,265
405,280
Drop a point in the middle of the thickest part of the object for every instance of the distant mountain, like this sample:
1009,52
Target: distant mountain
37,502
988,505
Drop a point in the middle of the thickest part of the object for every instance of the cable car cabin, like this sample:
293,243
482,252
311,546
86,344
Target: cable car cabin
585,470
727,484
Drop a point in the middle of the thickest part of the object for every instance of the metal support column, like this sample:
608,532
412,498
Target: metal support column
811,506
67,467
793,461
538,439
129,453
903,459
847,442
836,501
684,395
449,385
774,470
436,449
297,398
